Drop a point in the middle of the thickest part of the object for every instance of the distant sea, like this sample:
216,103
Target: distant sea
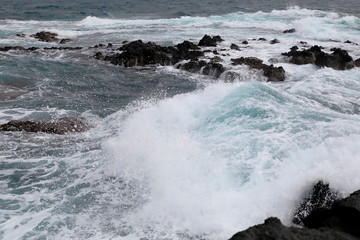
172,154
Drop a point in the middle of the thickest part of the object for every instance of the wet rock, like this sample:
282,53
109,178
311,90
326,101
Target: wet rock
63,48
338,60
321,196
208,41
234,47
303,42
22,35
109,45
357,63
65,40
245,42
60,126
292,30
138,53
99,56
8,48
193,66
274,74
211,68
262,39
185,50
273,229
343,216
274,41
46,36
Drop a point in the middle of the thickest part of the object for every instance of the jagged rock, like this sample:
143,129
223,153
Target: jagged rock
274,41
338,60
274,74
99,56
186,50
292,30
65,40
213,69
321,196
343,216
60,126
208,41
46,36
234,46
273,229
8,48
192,66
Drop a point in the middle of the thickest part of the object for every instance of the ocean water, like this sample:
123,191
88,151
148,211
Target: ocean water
172,155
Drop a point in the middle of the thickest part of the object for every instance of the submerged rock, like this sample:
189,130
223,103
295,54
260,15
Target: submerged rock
274,74
8,48
321,196
208,41
60,126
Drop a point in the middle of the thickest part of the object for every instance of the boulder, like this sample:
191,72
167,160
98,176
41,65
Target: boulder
46,36
59,126
211,68
274,41
273,74
273,229
208,41
321,196
234,46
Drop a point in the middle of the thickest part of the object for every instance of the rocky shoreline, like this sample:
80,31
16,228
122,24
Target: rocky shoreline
321,215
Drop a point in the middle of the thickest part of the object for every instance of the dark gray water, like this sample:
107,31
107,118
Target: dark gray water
75,10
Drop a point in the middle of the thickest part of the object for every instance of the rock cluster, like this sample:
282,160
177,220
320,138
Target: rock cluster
45,36
339,59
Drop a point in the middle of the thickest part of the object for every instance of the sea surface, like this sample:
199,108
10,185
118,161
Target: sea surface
172,154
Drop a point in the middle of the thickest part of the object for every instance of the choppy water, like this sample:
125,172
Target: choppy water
172,155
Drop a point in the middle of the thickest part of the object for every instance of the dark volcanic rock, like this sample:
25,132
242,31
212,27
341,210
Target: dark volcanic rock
338,60
274,74
63,48
60,126
343,216
274,41
22,35
234,46
208,41
357,63
245,42
46,36
207,68
262,39
65,40
290,30
321,196
8,48
272,229
138,53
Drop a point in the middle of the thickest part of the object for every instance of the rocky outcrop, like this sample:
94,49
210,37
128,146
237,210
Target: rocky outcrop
273,74
208,41
329,219
339,59
357,63
59,126
344,216
321,196
273,229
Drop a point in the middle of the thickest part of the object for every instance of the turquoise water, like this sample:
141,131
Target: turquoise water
171,155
